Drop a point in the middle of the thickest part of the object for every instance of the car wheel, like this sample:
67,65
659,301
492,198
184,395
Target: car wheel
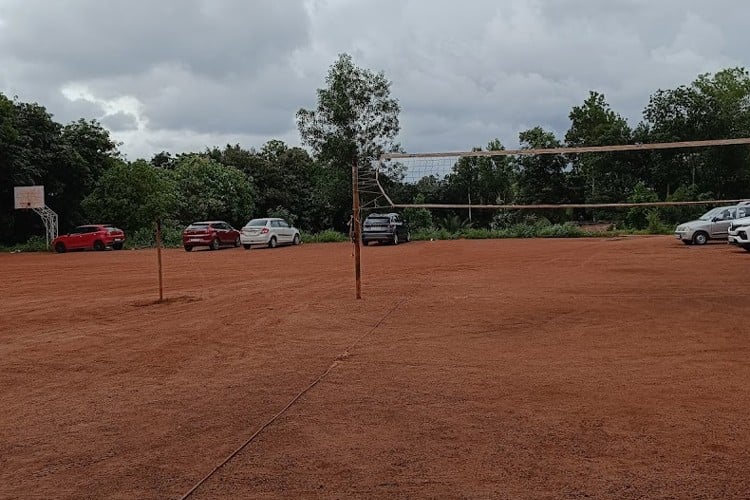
746,247
700,238
117,246
98,246
214,244
365,242
296,240
408,236
247,247
395,239
272,242
237,242
60,248
188,248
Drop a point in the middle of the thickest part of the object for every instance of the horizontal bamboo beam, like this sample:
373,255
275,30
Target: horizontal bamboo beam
571,205
573,150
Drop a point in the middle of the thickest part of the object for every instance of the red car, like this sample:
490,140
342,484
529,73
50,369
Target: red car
211,234
96,236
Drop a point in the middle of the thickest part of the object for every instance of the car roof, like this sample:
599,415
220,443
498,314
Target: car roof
207,222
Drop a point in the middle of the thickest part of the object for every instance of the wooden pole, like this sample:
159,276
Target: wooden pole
355,221
158,258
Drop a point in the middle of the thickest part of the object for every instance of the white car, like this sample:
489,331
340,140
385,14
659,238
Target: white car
269,232
739,232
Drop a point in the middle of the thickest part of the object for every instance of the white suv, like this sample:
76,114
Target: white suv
738,233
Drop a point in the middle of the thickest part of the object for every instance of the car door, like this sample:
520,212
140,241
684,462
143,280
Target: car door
278,231
86,237
720,225
398,224
286,230
74,238
222,231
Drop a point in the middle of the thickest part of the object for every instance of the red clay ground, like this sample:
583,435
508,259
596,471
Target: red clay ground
471,369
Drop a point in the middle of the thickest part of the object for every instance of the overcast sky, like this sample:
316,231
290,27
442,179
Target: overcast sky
181,75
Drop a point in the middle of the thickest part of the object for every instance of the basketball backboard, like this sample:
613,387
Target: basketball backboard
29,197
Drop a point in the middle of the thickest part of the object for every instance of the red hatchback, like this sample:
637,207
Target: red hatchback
211,234
93,236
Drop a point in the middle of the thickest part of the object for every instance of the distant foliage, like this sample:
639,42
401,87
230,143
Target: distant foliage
355,120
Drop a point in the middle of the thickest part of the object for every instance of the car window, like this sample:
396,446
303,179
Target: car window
220,225
283,223
257,223
725,214
377,220
714,212
198,225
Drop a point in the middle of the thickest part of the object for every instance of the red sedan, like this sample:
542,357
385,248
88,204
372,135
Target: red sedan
211,234
92,236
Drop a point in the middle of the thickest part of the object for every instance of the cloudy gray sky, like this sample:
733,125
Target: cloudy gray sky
180,75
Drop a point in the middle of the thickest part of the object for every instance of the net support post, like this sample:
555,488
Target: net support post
357,229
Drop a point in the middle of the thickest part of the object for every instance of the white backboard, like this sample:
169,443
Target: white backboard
29,196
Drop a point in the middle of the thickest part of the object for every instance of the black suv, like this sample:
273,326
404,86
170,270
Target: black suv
385,228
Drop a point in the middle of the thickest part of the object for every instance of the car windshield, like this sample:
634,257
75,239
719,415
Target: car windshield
198,225
256,223
377,220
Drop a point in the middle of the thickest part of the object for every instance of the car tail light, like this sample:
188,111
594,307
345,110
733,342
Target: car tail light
264,230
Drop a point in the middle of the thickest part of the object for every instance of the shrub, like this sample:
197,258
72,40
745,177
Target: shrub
327,236
33,244
145,237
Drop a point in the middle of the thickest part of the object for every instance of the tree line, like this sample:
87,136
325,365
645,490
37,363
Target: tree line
87,179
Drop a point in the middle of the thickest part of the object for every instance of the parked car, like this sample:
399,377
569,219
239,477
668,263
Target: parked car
385,228
714,224
739,230
270,232
92,236
212,234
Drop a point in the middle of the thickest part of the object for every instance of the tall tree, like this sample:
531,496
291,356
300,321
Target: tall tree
541,178
600,176
132,195
355,119
712,107
209,190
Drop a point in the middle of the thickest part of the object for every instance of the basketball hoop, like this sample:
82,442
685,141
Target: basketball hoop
32,198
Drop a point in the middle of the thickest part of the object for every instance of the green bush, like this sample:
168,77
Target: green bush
33,244
539,229
145,237
655,224
327,236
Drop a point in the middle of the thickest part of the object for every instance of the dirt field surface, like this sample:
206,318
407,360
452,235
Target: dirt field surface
605,368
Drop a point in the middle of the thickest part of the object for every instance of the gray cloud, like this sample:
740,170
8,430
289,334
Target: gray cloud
193,71
120,121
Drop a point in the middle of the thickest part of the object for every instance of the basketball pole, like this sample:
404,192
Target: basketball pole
355,221
158,258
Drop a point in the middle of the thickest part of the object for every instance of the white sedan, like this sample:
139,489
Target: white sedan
269,232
